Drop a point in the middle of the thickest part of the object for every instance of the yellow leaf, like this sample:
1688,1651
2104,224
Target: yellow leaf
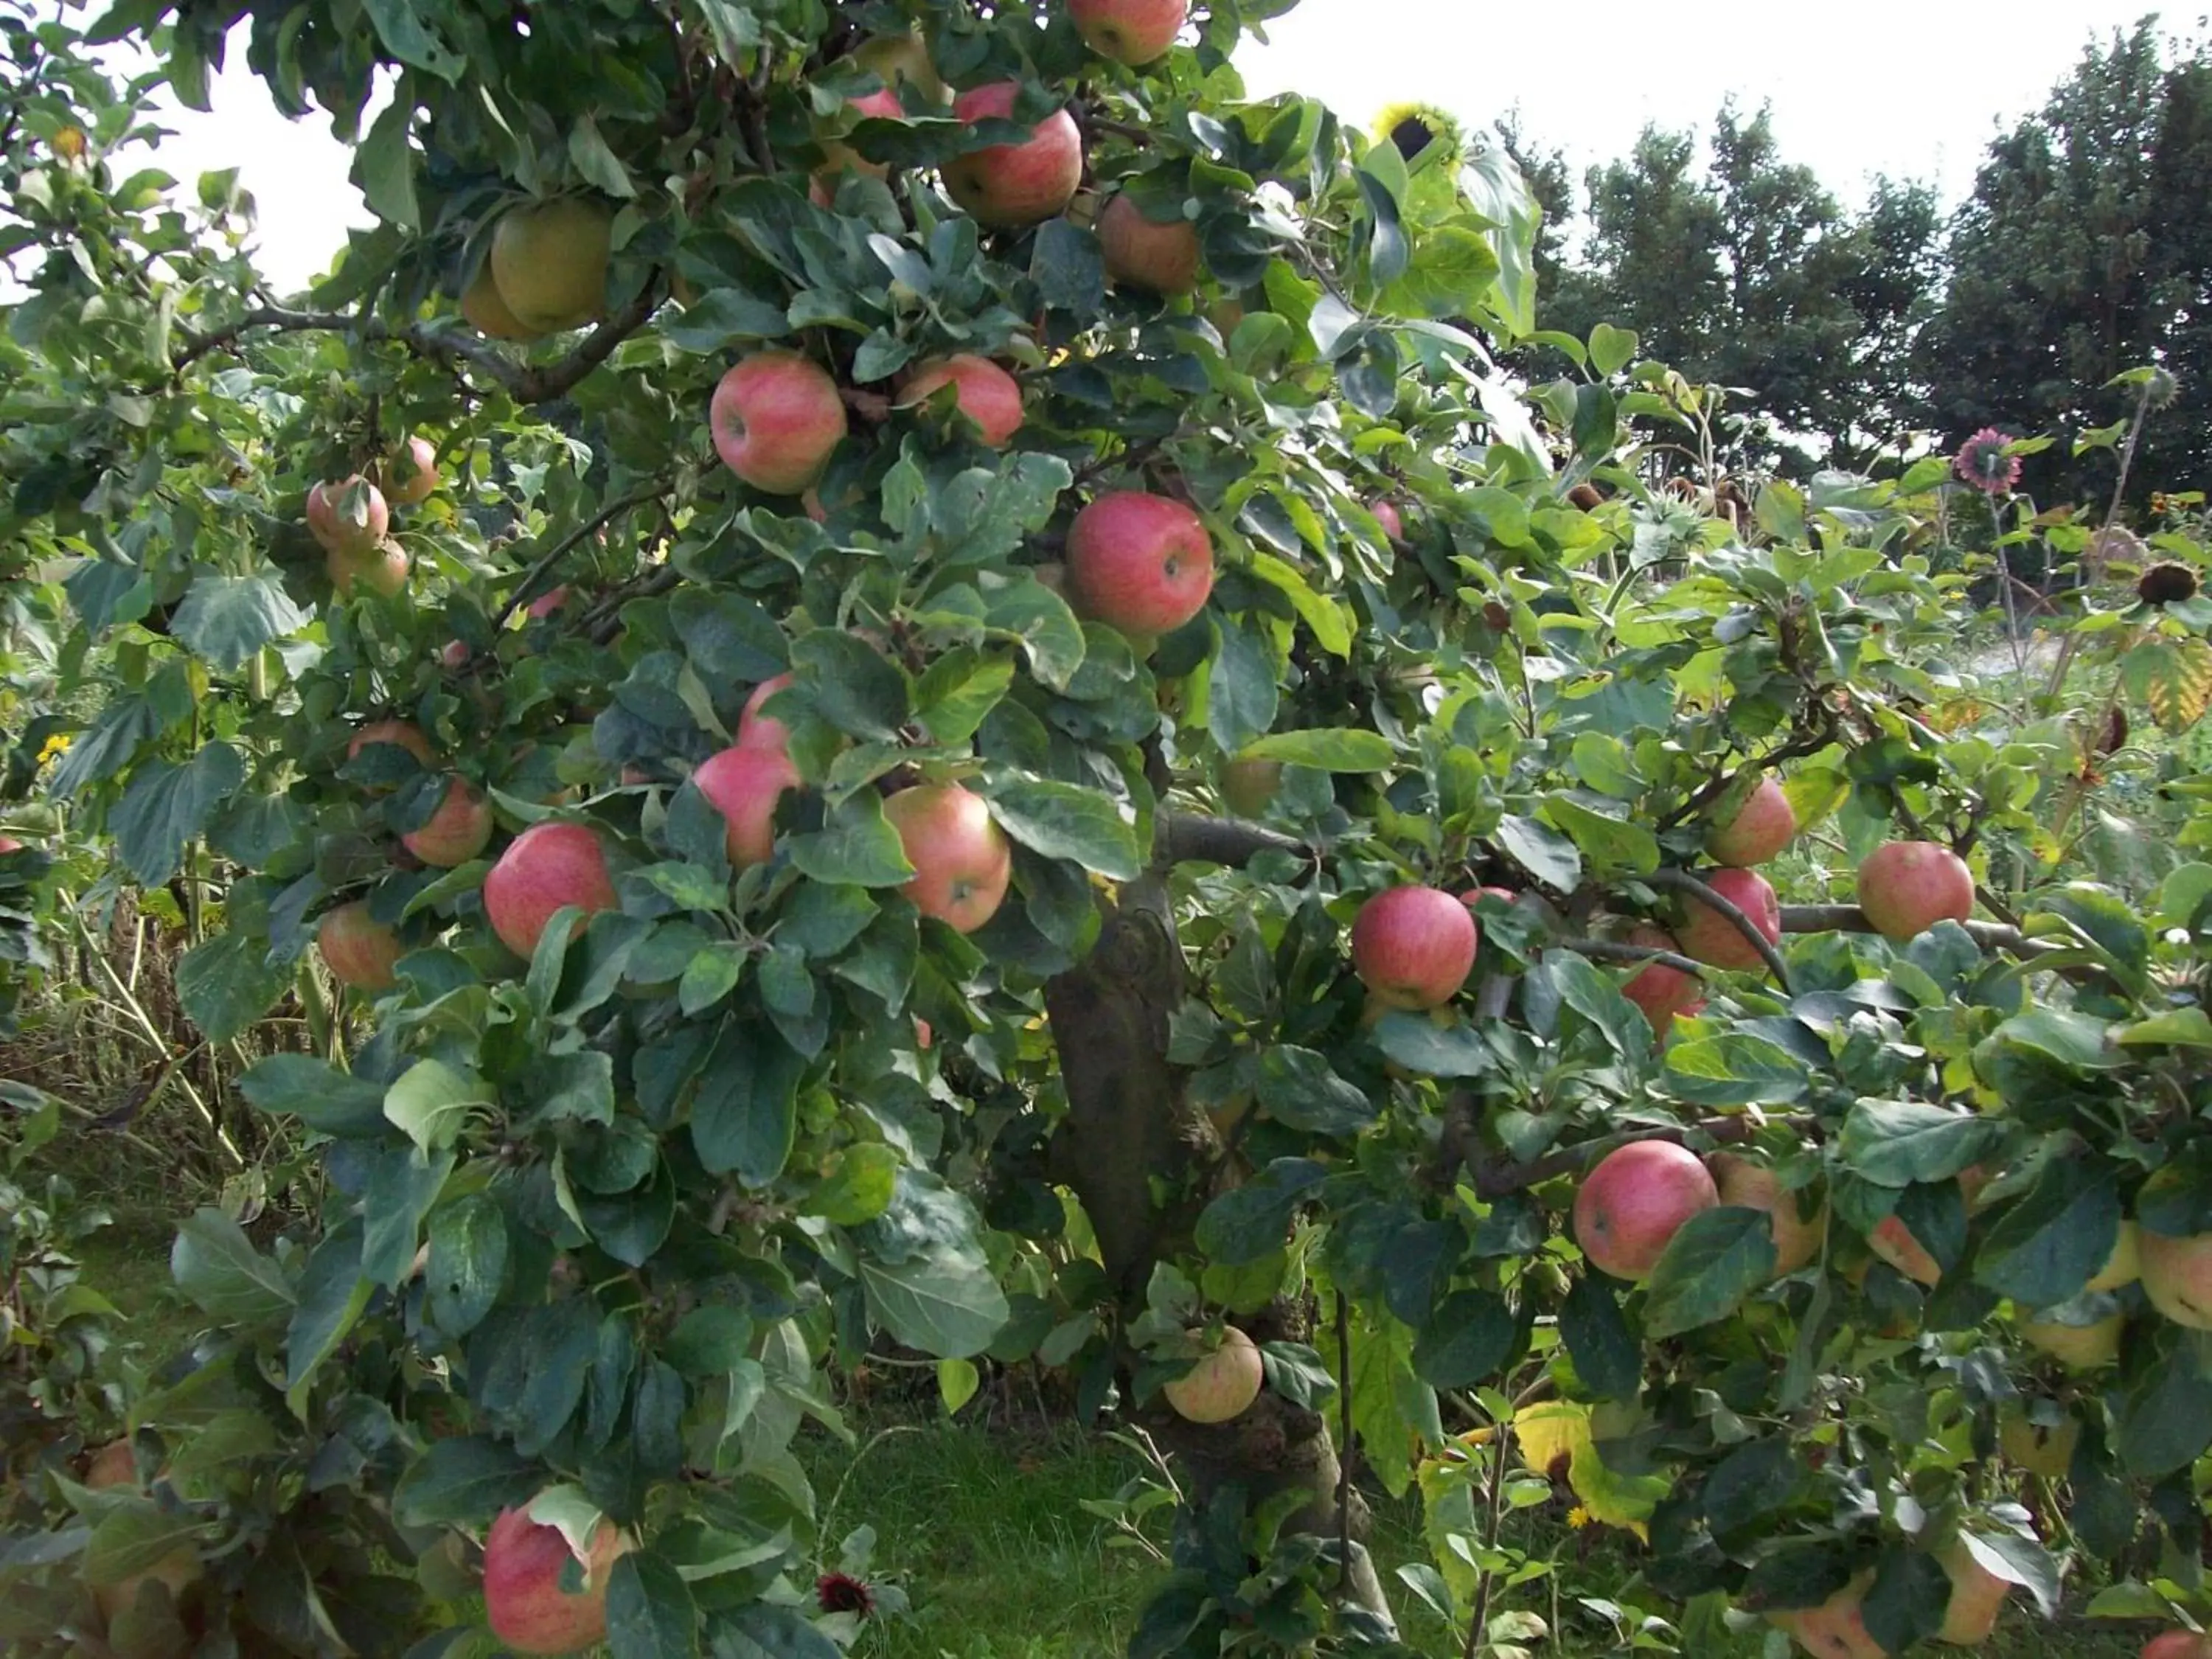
1559,1428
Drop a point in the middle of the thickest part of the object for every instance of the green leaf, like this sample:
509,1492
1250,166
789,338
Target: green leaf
131,1542
2020,1561
403,1184
1611,348
467,1267
855,688
333,1295
431,1101
1050,637
726,636
1298,1088
2165,1422
228,619
595,162
1324,617
167,807
384,166
1736,1068
859,1186
216,1266
856,848
722,318
1606,1354
1249,1222
943,1304
650,1614
1419,1043
745,1114
765,1630
1243,687
464,1480
1062,821
1715,1260
1467,1341
711,975
226,982
1611,844
2045,1248
1337,751
956,1383
325,1099
1894,1143
1542,851
1906,1603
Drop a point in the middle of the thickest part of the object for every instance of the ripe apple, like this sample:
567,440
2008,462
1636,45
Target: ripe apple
759,730
1660,990
1142,252
986,394
2077,1348
409,477
348,517
1893,1242
1132,32
1976,1595
1837,1628
839,157
1015,184
454,654
2177,1276
1762,826
382,569
1387,514
1413,947
1906,887
2177,1644
548,866
1246,785
1222,1385
2035,1447
115,1465
1708,936
776,416
358,950
961,860
458,830
400,733
1634,1201
744,784
550,261
1754,1187
2123,1267
487,314
902,57
9,844
1140,564
524,1563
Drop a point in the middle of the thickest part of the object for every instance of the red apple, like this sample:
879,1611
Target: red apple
1635,1200
1893,1242
548,260
1413,947
9,844
1138,563
1906,887
1754,1187
458,830
1146,254
776,416
453,655
1475,895
1660,990
744,784
409,477
1221,1385
348,517
2177,1644
961,860
1385,514
987,395
547,867
1837,1628
400,733
1015,184
382,569
115,1465
1246,785
524,1565
1763,826
547,603
1976,1595
839,157
2177,1276
759,730
358,950
1708,936
1132,32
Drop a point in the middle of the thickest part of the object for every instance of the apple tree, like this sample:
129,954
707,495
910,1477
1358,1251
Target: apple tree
923,696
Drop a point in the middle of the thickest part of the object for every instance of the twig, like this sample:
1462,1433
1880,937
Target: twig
1344,1450
1850,918
1194,837
1812,740
568,543
1682,881
2099,547
1496,1502
1606,950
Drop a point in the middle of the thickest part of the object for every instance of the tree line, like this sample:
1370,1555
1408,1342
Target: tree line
2082,252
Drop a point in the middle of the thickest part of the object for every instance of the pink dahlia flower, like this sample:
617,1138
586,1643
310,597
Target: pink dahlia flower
1982,463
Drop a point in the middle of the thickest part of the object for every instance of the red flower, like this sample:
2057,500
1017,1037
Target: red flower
1982,463
839,1592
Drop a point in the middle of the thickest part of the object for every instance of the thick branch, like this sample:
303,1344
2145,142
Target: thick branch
1850,918
1193,837
1683,882
444,345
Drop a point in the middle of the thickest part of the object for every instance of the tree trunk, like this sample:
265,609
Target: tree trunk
1144,1162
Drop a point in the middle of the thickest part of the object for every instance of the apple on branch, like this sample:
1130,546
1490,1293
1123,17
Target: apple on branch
1635,1200
1760,828
1011,185
458,830
746,784
1906,887
548,260
1413,947
529,1601
963,862
1222,1385
546,868
985,393
359,951
776,416
1161,256
1707,936
1132,32
349,518
1140,564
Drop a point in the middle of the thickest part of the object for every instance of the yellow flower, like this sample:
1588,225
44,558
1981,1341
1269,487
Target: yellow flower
57,745
1578,1518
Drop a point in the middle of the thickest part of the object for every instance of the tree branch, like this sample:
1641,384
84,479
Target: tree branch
1194,837
1850,918
1606,950
562,549
1682,881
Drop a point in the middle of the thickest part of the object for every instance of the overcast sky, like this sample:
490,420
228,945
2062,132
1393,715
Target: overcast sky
1913,88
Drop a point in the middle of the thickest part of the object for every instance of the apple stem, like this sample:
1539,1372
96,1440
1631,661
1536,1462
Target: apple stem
1682,881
